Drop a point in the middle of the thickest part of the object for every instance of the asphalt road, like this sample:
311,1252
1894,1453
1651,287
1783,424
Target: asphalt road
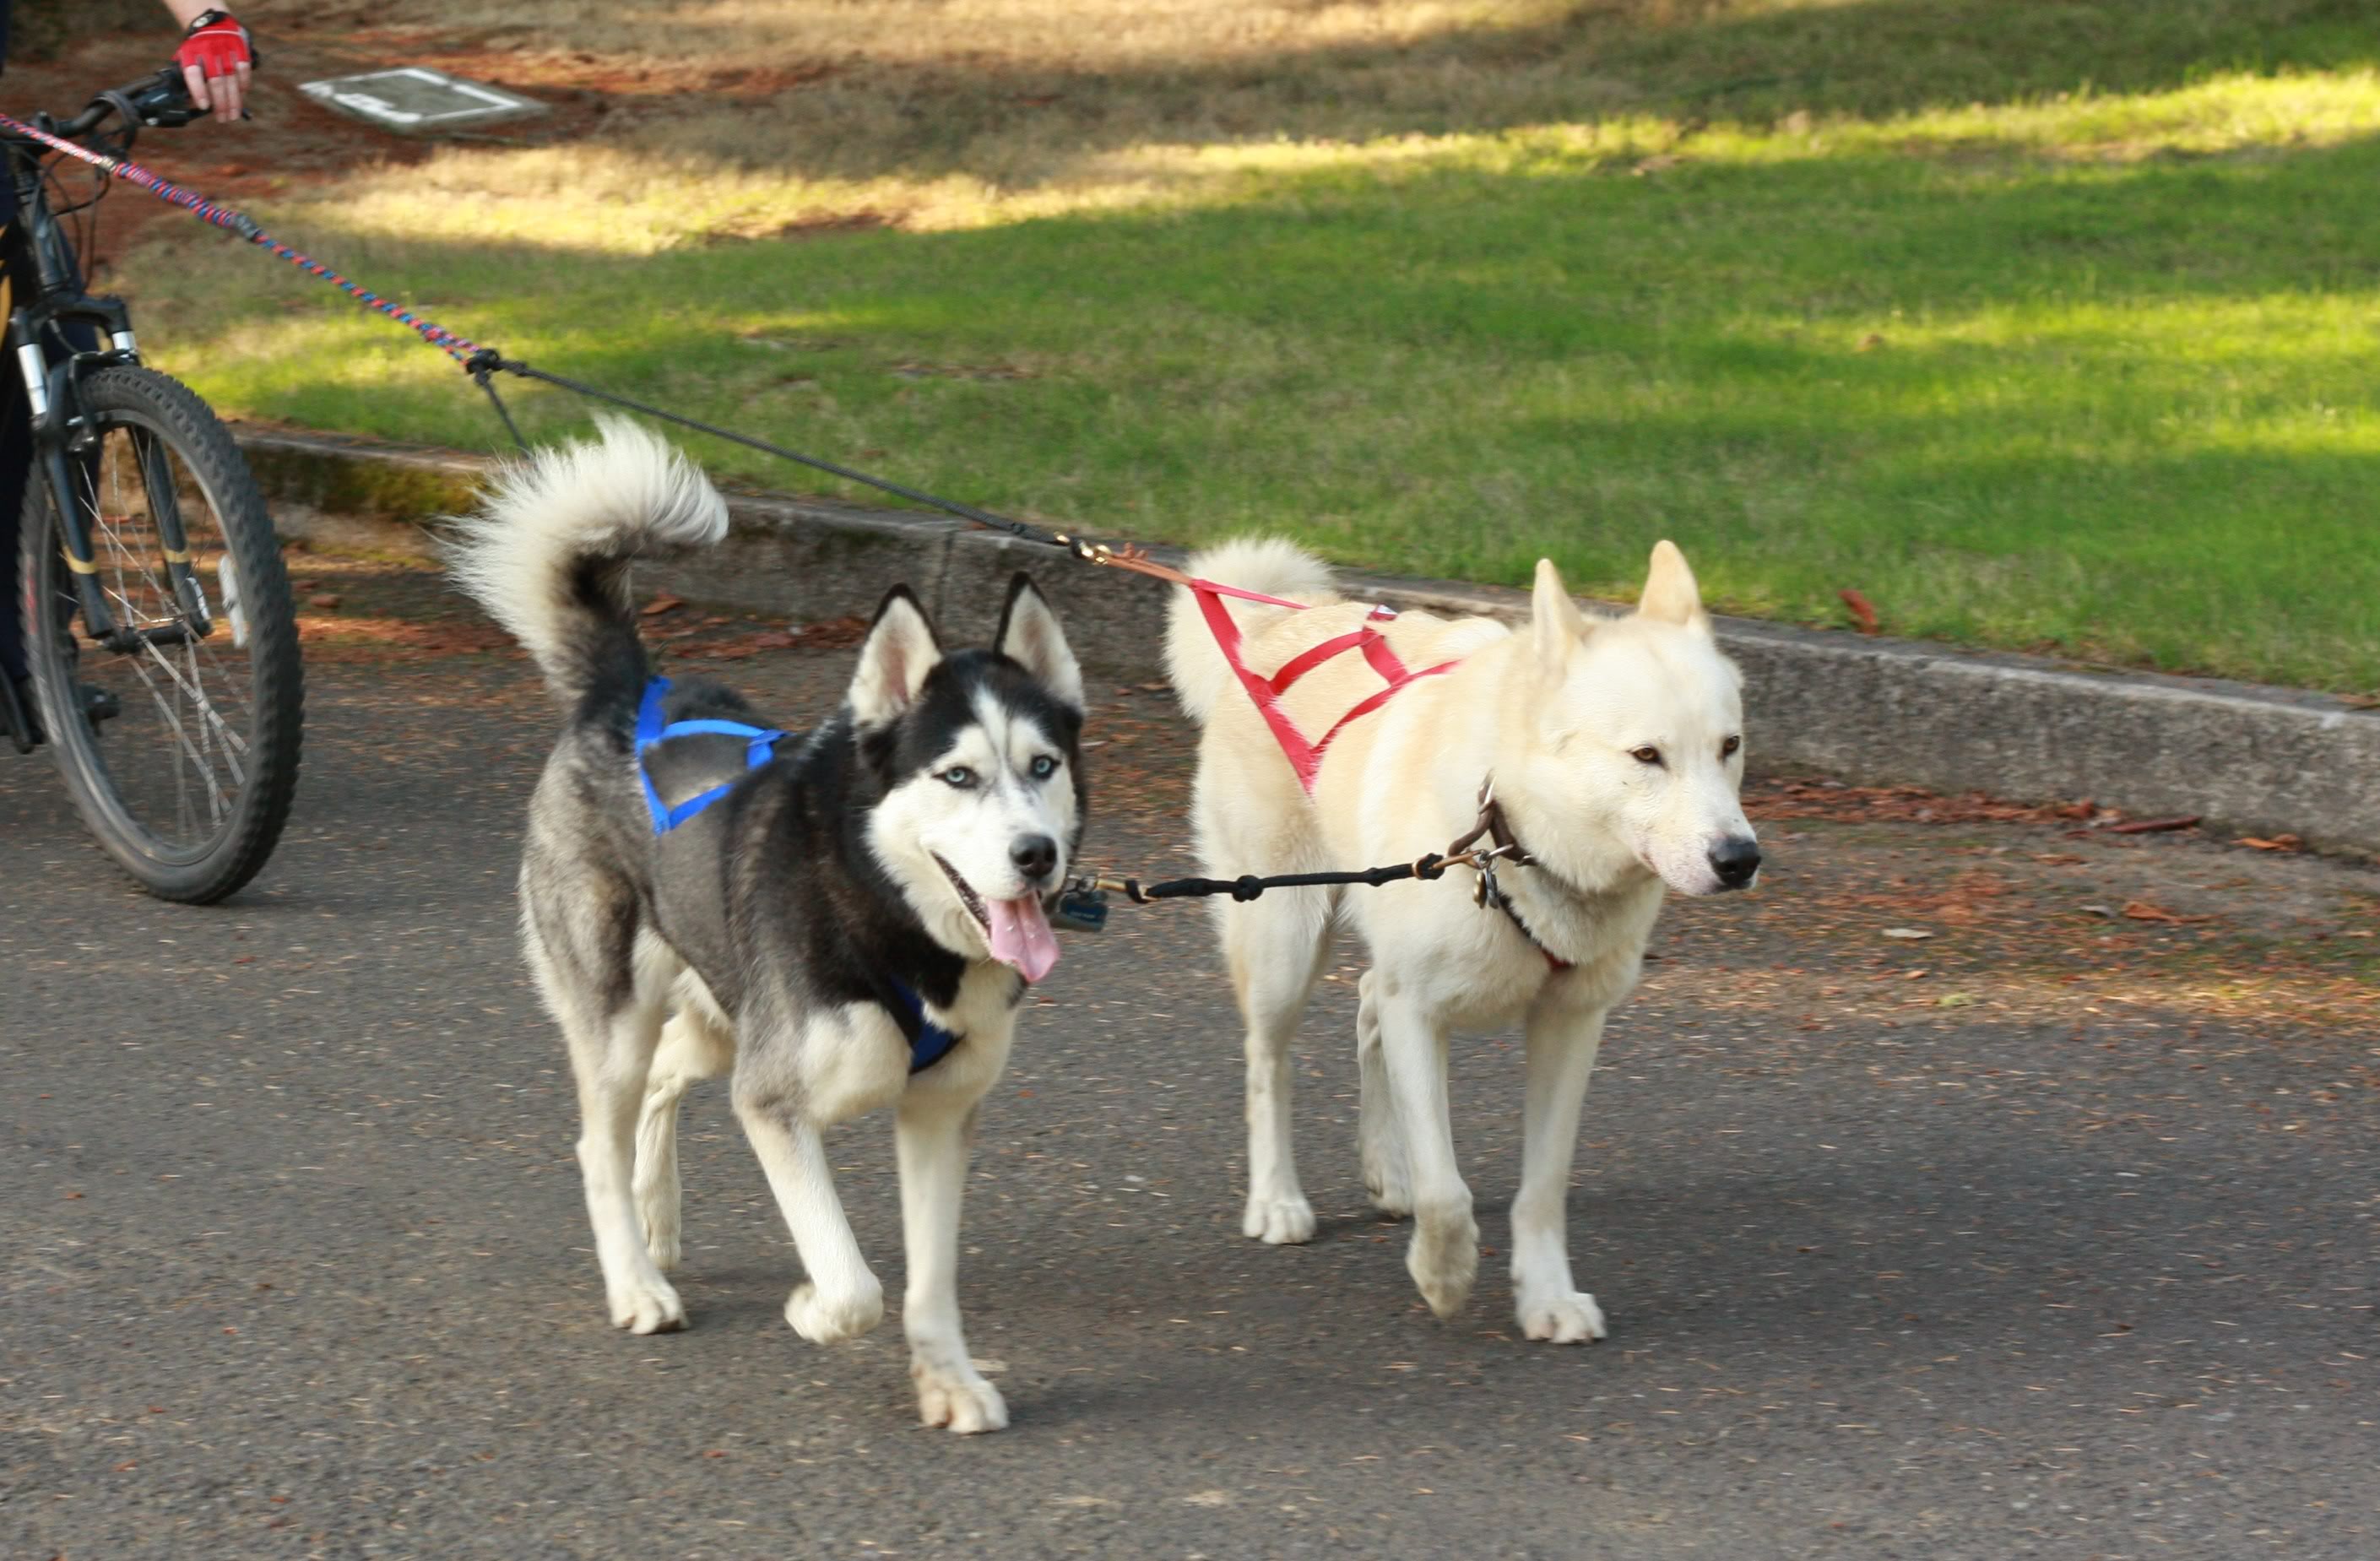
2049,1234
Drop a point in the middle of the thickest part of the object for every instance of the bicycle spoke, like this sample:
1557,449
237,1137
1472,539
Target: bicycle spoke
206,771
200,694
180,747
197,696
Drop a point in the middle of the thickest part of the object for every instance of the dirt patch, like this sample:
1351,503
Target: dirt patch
289,142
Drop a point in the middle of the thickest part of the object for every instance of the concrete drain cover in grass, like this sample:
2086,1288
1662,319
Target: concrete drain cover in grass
416,101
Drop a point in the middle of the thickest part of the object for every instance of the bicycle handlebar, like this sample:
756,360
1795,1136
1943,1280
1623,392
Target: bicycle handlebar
160,101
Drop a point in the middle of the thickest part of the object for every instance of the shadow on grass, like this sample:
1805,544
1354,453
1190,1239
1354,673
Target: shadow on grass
2121,410
1692,59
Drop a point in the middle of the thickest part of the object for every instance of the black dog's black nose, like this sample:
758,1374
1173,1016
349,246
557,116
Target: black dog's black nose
1036,855
1735,859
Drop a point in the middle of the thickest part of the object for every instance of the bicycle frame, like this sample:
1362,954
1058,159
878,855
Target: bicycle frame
62,428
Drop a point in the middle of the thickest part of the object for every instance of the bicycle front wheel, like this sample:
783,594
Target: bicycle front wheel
178,740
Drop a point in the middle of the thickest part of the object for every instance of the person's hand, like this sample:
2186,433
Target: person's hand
216,61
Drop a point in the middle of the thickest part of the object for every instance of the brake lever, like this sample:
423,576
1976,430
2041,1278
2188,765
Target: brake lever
162,102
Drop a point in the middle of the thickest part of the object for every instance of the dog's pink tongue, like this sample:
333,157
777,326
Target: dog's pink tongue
1021,937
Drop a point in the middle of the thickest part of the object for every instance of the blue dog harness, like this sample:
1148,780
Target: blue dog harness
760,747
930,1043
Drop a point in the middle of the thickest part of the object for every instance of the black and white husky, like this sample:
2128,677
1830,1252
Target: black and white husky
848,922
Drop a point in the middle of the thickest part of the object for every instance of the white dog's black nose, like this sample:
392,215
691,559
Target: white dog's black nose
1035,856
1735,859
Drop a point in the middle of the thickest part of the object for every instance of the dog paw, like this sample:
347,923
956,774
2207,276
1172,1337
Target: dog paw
1560,1317
1279,1222
1385,1180
1444,1261
661,1238
647,1307
830,1320
957,1399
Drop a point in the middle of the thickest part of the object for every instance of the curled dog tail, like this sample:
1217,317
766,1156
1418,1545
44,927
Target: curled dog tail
1269,564
547,552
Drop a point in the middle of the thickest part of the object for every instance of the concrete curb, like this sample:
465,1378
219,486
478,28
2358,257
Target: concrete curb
1876,711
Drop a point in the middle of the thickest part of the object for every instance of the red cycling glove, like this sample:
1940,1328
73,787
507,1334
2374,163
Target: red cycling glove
217,47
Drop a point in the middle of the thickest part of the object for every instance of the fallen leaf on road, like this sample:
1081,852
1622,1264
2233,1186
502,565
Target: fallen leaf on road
2154,826
2279,842
662,603
1862,612
1908,934
2141,911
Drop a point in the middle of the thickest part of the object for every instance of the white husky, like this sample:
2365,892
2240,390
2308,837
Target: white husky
1616,751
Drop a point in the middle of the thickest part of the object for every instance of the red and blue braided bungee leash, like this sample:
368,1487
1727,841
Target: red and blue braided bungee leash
133,174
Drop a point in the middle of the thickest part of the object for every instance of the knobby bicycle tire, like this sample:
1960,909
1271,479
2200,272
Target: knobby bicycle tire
133,401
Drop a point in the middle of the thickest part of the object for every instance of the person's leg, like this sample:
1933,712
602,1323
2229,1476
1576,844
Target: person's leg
15,449
17,470
15,464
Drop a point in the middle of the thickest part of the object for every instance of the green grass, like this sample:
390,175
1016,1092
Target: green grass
2091,370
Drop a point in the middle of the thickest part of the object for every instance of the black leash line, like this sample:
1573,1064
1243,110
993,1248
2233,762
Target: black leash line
1248,886
488,359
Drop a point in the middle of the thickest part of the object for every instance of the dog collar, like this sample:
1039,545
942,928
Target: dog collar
1500,829
1553,961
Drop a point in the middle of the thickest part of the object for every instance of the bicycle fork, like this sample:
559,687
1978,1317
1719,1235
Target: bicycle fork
63,433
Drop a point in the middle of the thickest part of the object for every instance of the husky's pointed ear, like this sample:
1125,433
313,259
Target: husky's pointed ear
1555,622
900,651
1030,636
1671,595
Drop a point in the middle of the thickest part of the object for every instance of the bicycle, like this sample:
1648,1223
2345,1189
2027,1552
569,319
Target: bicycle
159,634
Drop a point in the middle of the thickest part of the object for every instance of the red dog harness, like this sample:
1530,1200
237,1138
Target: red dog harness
1305,754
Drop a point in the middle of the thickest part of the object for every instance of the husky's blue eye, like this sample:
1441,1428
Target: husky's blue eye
960,776
1044,766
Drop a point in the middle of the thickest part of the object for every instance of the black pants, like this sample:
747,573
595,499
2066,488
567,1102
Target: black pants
18,281
16,442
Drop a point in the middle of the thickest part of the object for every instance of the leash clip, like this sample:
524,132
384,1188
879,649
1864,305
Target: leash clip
1082,908
1485,890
